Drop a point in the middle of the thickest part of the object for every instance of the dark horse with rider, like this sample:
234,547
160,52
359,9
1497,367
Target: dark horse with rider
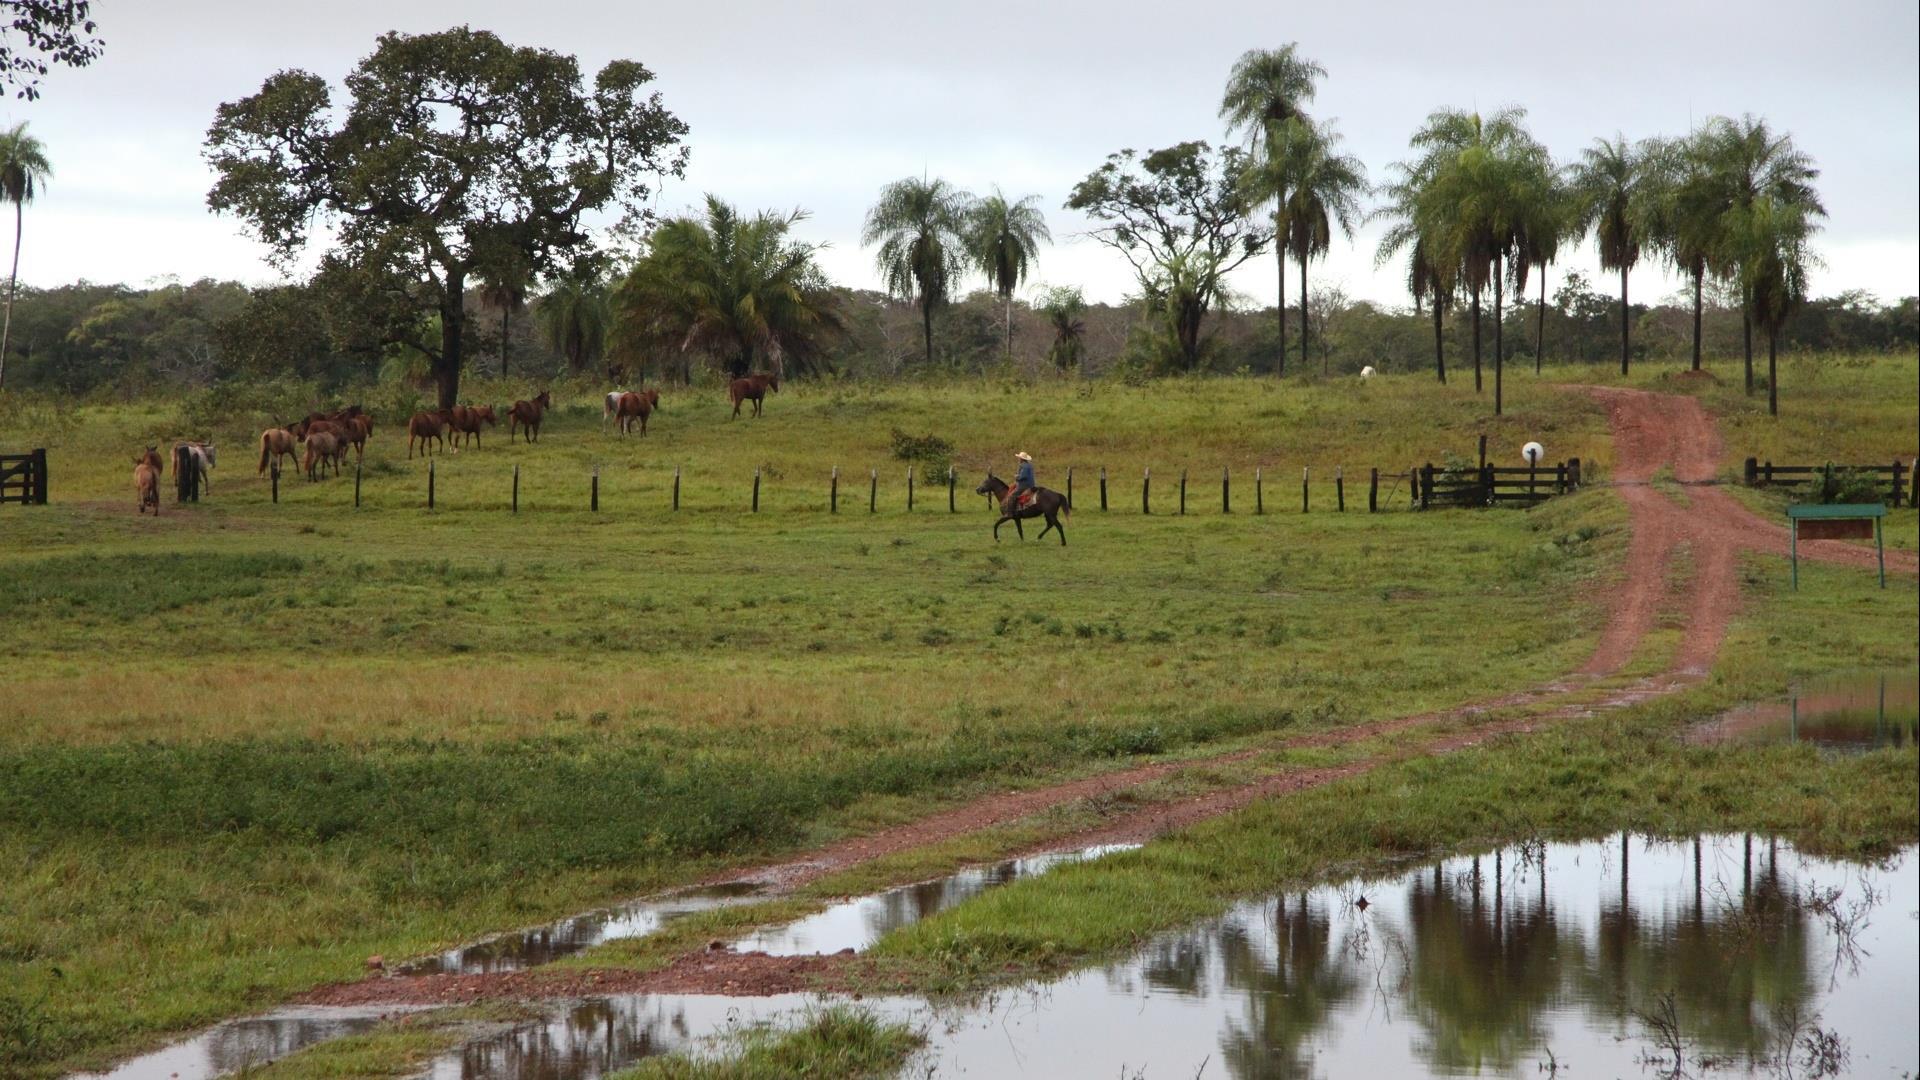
1025,499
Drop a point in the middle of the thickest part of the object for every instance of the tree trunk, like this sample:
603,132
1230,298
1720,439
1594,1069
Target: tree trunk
1623,320
1304,360
1439,345
926,327
1698,274
1499,336
1773,372
1009,329
1476,341
1280,305
1540,324
453,318
13,282
1746,338
506,331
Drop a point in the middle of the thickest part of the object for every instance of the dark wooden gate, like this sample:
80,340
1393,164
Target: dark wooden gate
23,478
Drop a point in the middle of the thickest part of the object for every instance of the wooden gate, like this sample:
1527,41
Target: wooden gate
23,478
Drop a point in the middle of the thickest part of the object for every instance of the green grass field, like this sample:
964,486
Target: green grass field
245,745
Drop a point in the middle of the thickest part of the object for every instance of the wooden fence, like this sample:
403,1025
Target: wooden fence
1491,485
1895,479
23,478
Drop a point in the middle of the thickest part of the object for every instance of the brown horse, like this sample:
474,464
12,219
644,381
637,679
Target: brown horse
146,481
632,406
466,420
425,427
527,414
1044,503
323,448
752,388
354,430
276,443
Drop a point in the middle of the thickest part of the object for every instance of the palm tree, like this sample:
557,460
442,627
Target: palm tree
1619,206
1429,279
1323,188
24,170
1774,260
1004,240
1749,163
574,319
735,288
921,228
1550,221
1064,307
1479,178
1266,87
1689,207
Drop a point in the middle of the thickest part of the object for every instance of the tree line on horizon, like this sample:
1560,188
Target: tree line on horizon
460,169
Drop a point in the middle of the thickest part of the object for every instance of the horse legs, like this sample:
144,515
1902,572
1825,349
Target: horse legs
1051,525
736,410
1018,529
996,527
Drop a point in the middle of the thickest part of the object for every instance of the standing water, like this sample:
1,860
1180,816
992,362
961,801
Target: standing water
1602,958
1852,712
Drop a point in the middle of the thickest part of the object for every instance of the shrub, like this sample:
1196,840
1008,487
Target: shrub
1841,486
932,454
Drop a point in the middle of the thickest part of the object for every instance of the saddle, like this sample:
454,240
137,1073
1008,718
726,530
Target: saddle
1022,501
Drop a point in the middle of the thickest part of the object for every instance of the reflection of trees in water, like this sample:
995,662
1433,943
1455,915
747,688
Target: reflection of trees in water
593,1038
1735,955
1288,995
1485,963
912,903
245,1044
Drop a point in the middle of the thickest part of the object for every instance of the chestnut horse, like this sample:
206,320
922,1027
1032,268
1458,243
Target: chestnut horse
527,414
1045,503
276,443
146,480
632,406
752,388
425,427
466,420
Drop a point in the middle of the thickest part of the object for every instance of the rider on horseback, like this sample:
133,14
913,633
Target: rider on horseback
1023,484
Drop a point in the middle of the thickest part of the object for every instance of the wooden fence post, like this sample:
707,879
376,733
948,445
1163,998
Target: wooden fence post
1573,471
756,489
1373,490
1305,475
833,492
516,489
429,483
1486,485
1226,492
1146,489
1070,489
356,484
953,509
1752,471
40,477
1896,483
676,487
1103,489
1259,495
873,491
593,500
276,481
1483,453
1425,481
1769,472
909,489
1340,488
1183,493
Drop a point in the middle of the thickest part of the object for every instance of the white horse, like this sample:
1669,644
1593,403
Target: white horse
202,454
610,408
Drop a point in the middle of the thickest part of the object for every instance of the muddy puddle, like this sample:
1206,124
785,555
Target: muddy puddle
1851,712
860,922
249,1042
1597,957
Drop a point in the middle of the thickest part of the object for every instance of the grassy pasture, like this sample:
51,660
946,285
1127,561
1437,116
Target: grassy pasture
244,746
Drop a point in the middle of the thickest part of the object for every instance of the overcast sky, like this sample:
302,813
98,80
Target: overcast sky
818,105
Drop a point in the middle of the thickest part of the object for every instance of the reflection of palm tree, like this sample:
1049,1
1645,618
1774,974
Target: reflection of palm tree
1289,996
1481,974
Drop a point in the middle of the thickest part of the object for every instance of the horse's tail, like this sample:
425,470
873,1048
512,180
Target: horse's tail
263,451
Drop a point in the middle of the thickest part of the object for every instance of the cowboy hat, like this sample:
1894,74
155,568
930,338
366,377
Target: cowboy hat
1024,456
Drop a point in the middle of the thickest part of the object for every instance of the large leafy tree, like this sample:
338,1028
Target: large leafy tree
1478,178
1322,189
921,227
737,289
1178,216
24,170
1751,163
457,155
1267,87
37,33
1620,204
1004,241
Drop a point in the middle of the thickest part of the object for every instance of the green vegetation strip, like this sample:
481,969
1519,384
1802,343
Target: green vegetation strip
844,1041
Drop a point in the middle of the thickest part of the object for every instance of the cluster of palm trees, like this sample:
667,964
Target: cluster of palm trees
1481,204
930,234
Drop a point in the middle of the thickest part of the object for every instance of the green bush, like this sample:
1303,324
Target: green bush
932,454
1841,486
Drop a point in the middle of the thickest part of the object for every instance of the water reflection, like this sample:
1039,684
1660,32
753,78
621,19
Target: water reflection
1855,712
249,1042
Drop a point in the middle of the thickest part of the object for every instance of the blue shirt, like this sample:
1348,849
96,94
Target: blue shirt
1024,478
